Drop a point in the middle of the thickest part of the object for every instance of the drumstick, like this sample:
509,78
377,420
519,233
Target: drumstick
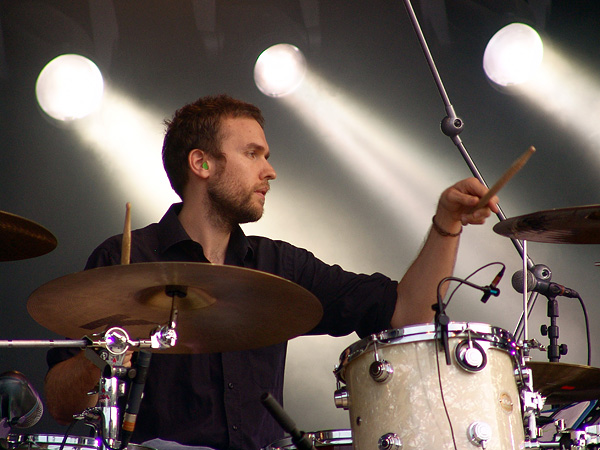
126,244
511,172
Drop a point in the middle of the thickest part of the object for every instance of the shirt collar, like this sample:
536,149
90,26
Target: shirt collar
171,233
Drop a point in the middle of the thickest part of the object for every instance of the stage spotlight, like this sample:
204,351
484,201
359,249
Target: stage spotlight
279,70
69,87
513,55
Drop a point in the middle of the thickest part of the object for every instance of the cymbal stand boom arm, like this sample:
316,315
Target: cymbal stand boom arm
452,125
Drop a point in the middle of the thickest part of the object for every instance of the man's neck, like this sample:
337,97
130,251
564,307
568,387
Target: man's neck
212,235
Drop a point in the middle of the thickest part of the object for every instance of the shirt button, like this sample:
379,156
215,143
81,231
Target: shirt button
230,385
235,427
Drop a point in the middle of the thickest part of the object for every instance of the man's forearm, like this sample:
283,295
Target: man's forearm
67,386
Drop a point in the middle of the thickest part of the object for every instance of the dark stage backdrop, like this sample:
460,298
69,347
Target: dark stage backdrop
361,196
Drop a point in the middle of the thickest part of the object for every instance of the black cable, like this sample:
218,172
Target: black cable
437,362
587,331
67,433
461,281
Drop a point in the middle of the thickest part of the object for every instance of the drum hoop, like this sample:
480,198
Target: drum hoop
52,439
496,337
325,437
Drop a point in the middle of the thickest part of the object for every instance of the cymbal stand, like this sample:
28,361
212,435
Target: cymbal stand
105,418
109,358
107,351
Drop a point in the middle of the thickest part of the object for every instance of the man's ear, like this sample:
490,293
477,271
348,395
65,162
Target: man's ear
198,164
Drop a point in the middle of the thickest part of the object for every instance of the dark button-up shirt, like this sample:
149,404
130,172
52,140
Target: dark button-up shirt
214,399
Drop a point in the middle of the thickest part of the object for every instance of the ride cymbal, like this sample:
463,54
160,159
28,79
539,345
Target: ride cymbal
21,238
225,308
576,225
565,383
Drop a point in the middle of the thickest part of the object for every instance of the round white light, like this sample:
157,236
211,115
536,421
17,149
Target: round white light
69,87
279,70
513,55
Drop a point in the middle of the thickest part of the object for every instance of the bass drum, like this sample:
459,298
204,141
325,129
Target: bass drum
323,440
401,393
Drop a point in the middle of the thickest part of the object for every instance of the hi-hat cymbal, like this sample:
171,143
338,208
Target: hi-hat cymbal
565,383
226,308
577,225
21,238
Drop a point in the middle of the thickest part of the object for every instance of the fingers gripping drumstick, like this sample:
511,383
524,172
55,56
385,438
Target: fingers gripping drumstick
511,172
126,244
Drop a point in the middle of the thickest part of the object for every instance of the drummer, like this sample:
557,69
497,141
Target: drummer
217,159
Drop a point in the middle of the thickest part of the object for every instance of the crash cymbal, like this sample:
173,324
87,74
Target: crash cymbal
226,308
21,238
577,225
565,383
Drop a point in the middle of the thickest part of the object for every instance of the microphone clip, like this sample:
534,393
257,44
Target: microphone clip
441,323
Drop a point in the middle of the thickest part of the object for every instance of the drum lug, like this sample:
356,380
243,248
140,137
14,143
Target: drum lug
389,441
381,371
479,433
341,398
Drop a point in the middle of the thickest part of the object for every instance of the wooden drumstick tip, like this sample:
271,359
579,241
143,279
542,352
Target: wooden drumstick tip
511,172
126,244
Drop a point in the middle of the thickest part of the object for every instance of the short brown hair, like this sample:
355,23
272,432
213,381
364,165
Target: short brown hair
197,125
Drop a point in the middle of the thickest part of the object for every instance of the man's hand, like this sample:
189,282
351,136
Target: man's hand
456,204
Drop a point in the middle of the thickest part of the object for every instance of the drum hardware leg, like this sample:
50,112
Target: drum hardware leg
571,439
479,433
389,441
532,404
565,438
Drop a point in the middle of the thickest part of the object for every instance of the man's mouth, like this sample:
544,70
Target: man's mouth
262,191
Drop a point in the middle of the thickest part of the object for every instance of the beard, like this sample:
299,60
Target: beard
231,202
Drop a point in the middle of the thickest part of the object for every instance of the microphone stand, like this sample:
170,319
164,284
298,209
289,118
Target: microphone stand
554,349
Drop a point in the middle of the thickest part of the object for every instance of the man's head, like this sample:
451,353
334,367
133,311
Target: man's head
198,126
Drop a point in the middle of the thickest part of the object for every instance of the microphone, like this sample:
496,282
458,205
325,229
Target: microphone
546,288
299,438
20,404
134,399
492,289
